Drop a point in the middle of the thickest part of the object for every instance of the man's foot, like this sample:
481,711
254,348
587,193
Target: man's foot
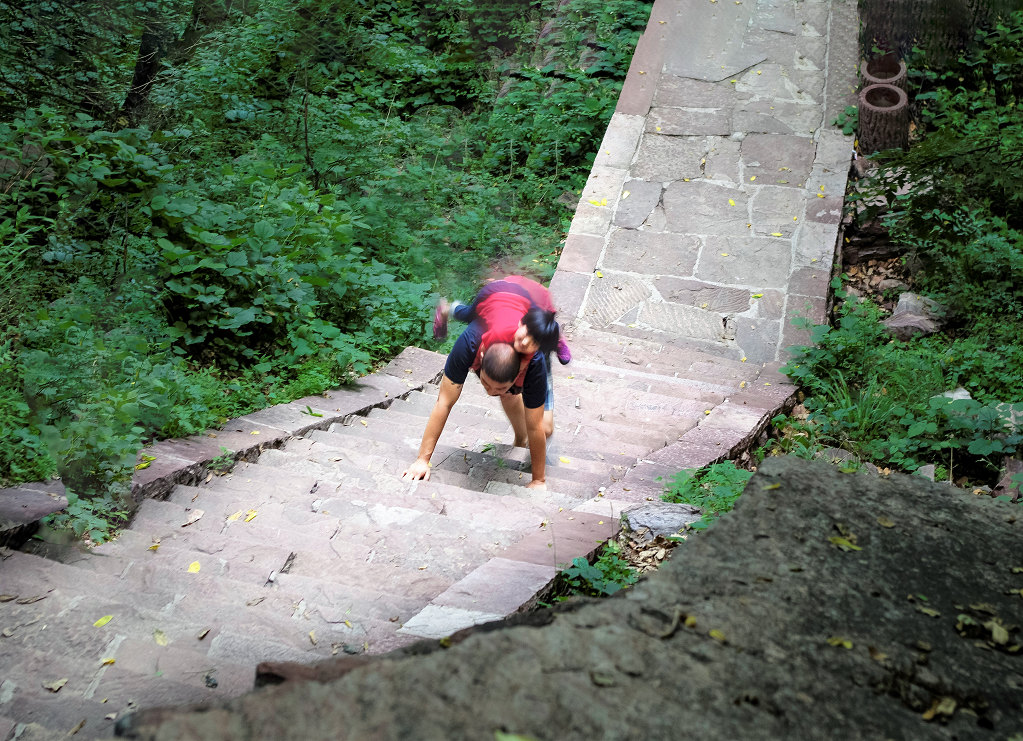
440,320
564,354
520,443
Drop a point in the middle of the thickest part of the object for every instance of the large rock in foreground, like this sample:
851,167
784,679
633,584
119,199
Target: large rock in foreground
827,605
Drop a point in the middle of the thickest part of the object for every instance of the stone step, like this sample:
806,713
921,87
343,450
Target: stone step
90,691
396,537
383,430
261,618
601,437
665,355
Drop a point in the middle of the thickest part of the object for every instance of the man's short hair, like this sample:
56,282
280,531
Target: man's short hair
500,363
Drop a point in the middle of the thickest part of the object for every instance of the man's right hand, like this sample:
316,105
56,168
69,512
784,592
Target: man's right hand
419,469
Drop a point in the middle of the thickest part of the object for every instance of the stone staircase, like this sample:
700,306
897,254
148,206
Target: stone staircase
313,547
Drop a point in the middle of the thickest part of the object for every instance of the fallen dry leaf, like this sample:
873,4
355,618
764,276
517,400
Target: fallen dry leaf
55,686
194,516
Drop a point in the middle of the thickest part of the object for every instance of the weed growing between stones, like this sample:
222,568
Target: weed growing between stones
609,574
713,489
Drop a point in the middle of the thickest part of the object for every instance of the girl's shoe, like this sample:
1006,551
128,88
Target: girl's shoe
440,320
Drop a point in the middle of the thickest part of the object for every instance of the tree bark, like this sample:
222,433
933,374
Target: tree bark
883,118
152,49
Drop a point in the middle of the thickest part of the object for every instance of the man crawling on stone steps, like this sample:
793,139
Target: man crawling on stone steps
506,344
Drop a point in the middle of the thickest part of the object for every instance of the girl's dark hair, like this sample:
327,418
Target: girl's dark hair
541,326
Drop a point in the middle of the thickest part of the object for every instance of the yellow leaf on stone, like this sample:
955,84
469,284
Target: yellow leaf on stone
767,384
154,547
193,568
348,623
603,201
795,218
742,359
776,234
885,522
731,202
844,543
724,254
600,274
822,187
594,202
717,635
690,621
759,72
820,195
250,515
107,662
254,432
625,194
742,384
706,411
103,621
771,486
563,459
840,641
758,295
160,637
235,516
364,423
312,637
752,178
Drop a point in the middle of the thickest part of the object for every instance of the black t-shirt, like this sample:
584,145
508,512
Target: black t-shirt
462,355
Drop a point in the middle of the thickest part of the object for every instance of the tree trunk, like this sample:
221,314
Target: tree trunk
883,118
152,50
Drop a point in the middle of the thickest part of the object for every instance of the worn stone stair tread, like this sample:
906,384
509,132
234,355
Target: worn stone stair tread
356,537
328,477
676,351
482,423
89,694
264,616
242,561
382,431
159,518
568,535
449,470
555,500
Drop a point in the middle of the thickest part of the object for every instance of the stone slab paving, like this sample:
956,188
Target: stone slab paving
709,221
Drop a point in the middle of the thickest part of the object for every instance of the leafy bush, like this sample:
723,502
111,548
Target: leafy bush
309,174
882,399
713,489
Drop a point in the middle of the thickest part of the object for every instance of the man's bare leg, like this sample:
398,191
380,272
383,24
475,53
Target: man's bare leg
516,412
548,422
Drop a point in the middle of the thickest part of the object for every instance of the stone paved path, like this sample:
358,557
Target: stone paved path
709,220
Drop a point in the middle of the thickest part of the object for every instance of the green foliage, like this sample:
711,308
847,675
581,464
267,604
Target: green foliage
971,153
847,120
304,179
882,399
713,489
97,517
609,574
223,463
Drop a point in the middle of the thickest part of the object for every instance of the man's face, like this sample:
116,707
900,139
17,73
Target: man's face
492,387
524,343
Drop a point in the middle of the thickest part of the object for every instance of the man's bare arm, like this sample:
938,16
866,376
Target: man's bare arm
446,398
537,447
